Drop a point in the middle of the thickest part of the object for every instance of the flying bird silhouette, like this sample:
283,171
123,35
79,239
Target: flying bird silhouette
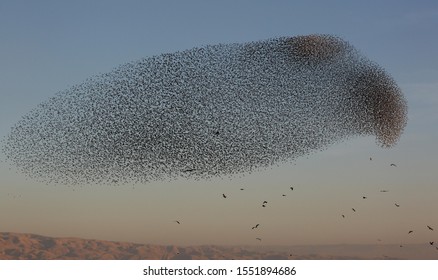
398,205
292,188
429,227
177,222
256,226
264,202
283,195
392,164
343,216
224,196
364,197
431,243
354,210
259,239
411,231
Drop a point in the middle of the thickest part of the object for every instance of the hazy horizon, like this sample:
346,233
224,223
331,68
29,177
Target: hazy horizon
30,247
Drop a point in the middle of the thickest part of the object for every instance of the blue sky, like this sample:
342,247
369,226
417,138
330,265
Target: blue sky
48,46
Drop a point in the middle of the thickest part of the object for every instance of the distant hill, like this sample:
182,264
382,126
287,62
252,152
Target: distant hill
19,246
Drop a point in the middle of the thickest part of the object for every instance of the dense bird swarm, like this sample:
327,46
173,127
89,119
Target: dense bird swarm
209,111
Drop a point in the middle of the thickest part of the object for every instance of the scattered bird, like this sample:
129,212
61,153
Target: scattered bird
343,216
364,197
292,188
392,164
264,202
429,228
398,205
411,231
401,246
259,239
14,196
431,243
371,158
241,189
263,205
189,170
177,222
224,196
354,210
256,226
283,195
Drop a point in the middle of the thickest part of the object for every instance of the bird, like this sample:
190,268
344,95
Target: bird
354,210
429,227
283,195
224,196
292,188
431,242
263,205
177,222
398,205
259,239
264,202
364,197
401,245
256,226
241,189
392,164
189,170
371,158
343,216
384,191
411,231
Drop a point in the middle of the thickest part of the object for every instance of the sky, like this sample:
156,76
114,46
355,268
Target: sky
49,46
